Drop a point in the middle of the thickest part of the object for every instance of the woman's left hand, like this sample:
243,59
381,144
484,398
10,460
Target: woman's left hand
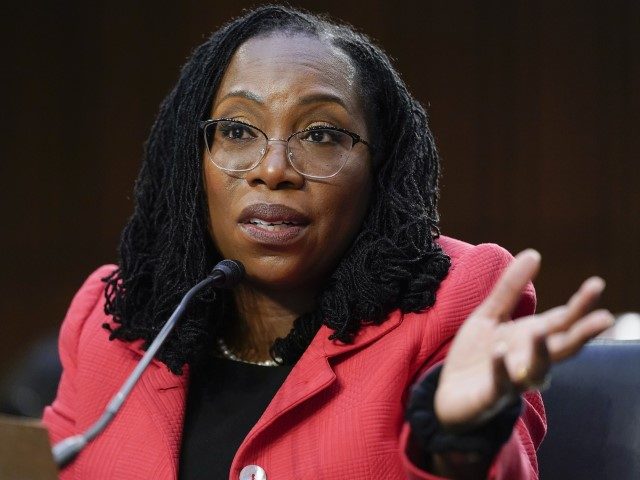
493,358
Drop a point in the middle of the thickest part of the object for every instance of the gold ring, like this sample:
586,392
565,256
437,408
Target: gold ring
522,373
522,377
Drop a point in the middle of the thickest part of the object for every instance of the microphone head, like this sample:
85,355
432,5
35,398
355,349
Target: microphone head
229,273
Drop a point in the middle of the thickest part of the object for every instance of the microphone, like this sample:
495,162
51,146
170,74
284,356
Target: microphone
226,274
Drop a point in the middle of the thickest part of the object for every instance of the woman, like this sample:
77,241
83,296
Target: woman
291,144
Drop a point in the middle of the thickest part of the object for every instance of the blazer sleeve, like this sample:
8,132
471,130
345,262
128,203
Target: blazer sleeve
482,265
59,417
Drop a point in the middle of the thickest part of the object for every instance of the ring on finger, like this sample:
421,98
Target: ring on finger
522,374
522,378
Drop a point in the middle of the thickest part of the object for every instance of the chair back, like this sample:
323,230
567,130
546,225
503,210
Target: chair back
593,413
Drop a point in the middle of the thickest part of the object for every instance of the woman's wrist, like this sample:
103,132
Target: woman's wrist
454,454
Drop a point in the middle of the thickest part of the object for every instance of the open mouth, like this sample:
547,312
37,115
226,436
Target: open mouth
273,224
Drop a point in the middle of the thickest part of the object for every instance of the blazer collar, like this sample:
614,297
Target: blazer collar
368,333
158,374
313,373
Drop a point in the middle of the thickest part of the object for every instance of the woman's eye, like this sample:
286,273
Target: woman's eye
236,132
319,136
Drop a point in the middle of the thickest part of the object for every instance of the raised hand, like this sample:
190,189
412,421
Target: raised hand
494,358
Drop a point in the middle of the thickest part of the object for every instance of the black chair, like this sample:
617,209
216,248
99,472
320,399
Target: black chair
593,411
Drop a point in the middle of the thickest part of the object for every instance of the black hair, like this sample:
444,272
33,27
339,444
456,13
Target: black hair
393,263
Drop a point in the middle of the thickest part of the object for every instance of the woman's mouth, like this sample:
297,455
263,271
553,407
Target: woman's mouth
273,224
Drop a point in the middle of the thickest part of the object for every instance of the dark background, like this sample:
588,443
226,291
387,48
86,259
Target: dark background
535,107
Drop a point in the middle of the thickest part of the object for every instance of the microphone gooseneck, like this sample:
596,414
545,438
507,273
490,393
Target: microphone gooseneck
226,274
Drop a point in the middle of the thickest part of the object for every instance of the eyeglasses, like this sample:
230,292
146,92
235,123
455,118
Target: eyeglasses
316,152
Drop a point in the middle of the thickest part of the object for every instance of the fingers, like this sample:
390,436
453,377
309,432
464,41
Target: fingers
563,331
501,377
569,327
529,366
525,368
506,293
566,343
579,304
540,361
502,383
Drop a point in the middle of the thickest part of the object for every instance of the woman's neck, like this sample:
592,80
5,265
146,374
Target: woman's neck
262,317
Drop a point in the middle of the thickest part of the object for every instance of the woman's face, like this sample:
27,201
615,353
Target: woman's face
283,84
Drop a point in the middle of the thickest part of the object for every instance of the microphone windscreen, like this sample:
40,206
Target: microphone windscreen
232,270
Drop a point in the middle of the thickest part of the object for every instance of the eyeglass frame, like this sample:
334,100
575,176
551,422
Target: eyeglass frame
355,138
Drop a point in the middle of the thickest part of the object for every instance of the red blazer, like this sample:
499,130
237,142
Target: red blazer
338,415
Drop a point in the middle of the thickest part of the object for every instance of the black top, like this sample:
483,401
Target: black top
225,400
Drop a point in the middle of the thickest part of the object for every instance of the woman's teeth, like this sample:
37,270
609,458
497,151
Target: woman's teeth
277,225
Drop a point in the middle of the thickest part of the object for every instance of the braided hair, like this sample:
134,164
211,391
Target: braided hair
165,248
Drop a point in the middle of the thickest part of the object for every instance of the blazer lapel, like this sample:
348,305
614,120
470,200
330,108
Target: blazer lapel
163,395
313,373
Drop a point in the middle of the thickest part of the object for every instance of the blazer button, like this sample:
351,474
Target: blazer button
253,472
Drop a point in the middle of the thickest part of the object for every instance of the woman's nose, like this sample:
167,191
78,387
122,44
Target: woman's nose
274,170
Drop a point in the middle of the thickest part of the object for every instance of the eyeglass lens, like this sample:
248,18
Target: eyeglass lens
316,152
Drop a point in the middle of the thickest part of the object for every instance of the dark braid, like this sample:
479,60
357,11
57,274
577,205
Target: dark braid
166,247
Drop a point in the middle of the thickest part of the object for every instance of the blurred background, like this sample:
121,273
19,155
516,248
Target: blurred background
535,107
